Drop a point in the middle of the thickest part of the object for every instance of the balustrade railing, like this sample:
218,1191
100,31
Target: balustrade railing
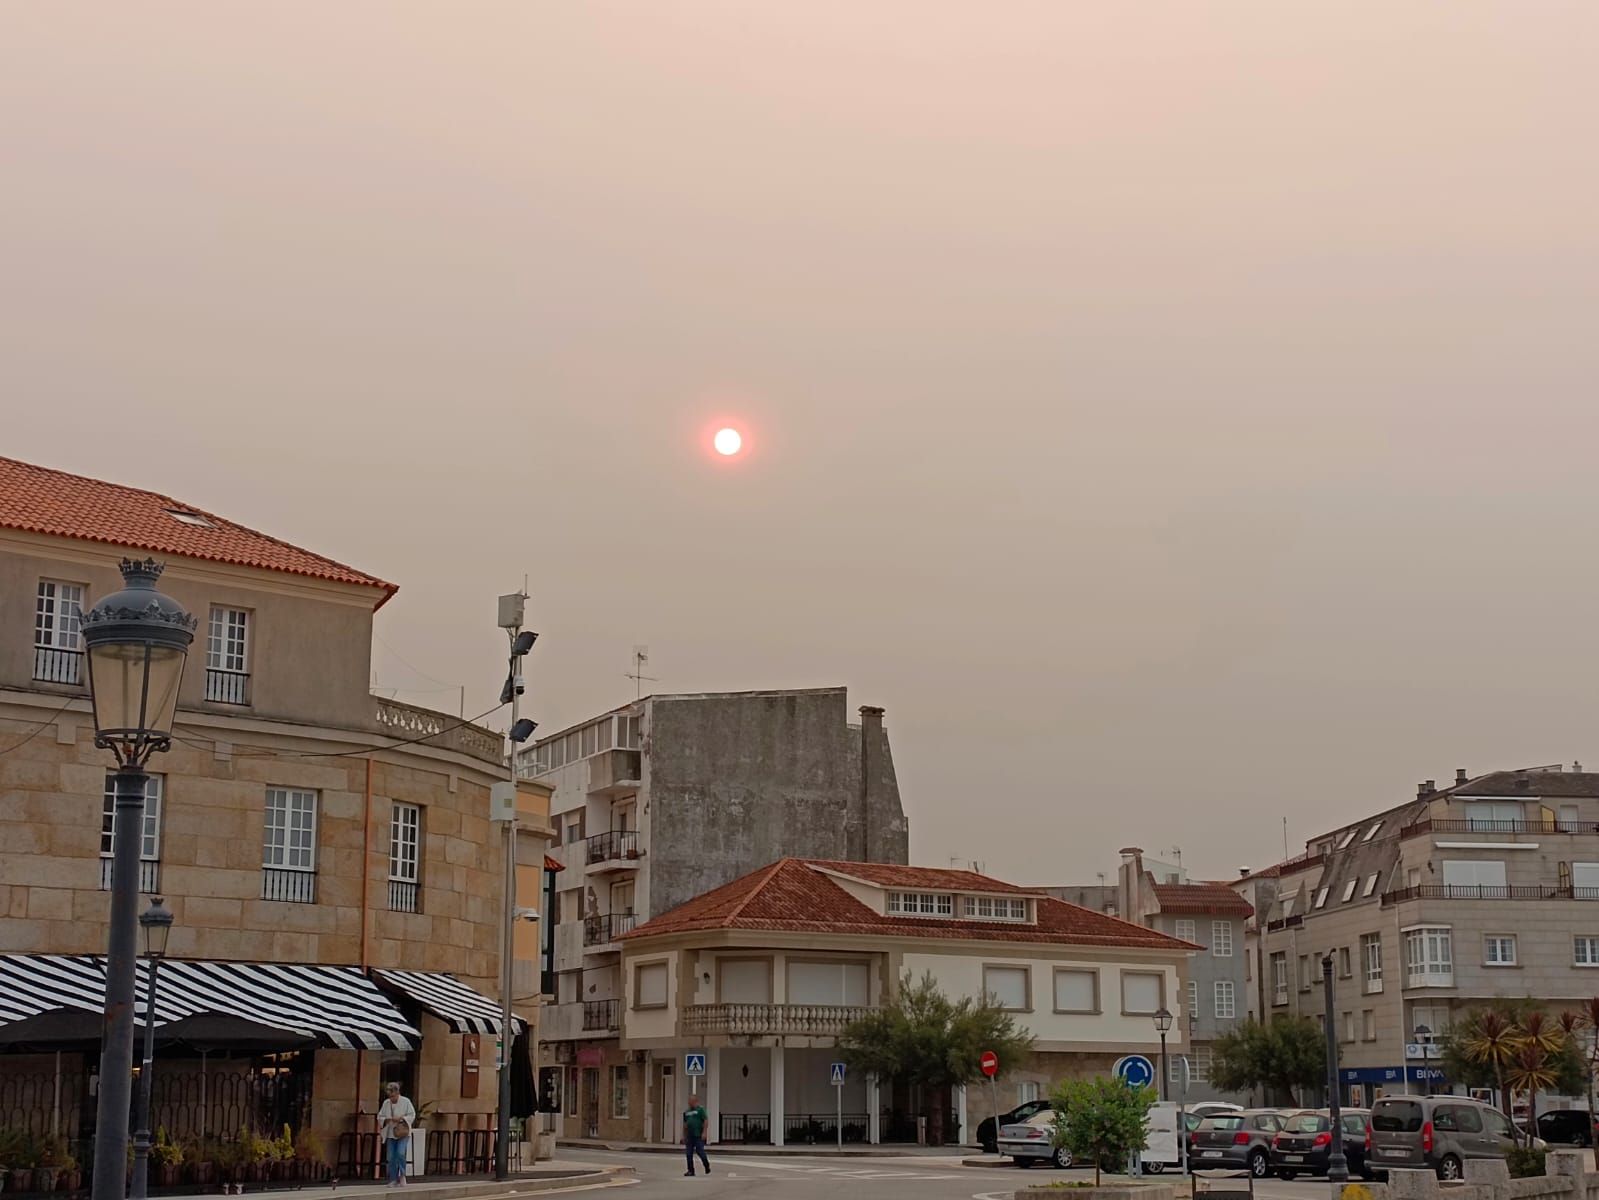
821,1020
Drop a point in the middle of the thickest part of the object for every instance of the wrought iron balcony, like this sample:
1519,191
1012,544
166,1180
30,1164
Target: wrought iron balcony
817,1020
282,883
404,896
227,687
53,665
1472,891
601,1015
617,846
149,875
603,930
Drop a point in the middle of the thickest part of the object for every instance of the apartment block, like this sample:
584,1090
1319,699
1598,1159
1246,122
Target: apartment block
1485,889
667,798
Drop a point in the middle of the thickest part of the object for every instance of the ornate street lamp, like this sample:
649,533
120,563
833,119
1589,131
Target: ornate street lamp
156,921
136,642
1162,1027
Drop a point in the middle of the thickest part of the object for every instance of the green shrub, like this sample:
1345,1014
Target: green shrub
1525,1162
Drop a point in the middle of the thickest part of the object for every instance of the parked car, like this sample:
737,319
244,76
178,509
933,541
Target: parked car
1305,1143
987,1127
1236,1140
1212,1108
1440,1132
1567,1127
1033,1141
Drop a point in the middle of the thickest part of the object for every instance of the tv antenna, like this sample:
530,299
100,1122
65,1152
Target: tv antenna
641,658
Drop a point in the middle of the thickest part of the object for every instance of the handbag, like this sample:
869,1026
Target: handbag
398,1129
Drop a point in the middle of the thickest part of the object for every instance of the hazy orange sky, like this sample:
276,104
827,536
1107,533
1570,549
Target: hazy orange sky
1179,416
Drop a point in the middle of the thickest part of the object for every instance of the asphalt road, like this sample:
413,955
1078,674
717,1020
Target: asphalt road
735,1177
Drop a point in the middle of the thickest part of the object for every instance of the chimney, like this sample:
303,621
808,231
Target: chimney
1432,786
1243,872
1523,783
1576,767
1423,790
1130,885
871,738
1460,776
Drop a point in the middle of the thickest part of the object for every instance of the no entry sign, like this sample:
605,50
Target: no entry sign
989,1062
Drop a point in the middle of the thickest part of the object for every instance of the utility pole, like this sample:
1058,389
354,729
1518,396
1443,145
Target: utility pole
503,808
1337,1164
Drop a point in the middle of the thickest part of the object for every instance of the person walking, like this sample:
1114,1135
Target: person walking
396,1115
694,1118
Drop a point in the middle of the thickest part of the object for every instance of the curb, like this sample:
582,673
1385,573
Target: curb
732,1151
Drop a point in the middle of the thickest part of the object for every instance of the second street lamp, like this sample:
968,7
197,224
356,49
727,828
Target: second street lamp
136,642
1162,1027
1337,1164
156,921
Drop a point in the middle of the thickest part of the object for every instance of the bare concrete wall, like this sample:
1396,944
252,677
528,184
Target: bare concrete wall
736,781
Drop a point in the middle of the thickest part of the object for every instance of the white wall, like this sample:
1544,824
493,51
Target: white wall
961,975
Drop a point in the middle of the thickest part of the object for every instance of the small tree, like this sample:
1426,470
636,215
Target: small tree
922,1037
1588,1019
1286,1054
1102,1118
1491,1040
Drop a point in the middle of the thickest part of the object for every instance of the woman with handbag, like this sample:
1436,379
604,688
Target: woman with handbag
396,1115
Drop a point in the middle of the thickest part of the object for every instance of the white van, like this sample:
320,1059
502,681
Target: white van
1161,1147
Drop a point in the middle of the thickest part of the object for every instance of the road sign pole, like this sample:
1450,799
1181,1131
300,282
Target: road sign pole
993,1099
838,1094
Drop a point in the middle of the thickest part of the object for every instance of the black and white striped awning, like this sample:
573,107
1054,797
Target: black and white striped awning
336,1006
446,997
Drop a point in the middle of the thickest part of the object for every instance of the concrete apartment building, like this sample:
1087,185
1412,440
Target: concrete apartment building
761,976
1207,914
341,892
1480,890
667,798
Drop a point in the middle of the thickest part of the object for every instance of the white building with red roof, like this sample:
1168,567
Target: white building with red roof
760,976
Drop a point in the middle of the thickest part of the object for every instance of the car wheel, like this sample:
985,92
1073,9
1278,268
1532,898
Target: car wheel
1449,1167
1154,1168
1258,1166
1063,1158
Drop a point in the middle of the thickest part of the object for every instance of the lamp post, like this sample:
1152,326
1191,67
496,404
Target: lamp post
1337,1164
136,640
1162,1026
1421,1034
511,614
156,921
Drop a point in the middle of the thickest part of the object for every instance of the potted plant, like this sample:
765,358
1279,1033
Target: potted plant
52,1159
311,1155
166,1156
229,1159
280,1155
69,1178
417,1157
200,1165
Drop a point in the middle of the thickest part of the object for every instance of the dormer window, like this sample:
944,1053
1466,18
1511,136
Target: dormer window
996,908
921,904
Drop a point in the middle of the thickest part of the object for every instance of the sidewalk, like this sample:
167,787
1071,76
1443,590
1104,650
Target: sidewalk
739,1149
558,1173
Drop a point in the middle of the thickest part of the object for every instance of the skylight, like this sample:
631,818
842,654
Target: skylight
189,518
1371,885
1347,838
1372,832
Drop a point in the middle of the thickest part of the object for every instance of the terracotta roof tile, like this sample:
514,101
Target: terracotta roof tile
41,500
799,896
1202,898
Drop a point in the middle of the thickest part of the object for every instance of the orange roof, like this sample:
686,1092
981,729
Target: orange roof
796,895
41,500
1202,898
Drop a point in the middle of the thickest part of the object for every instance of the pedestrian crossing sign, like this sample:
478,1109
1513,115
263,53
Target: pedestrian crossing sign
694,1064
838,1074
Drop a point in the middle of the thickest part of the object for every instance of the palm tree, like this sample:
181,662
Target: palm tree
1535,1069
1588,1017
1494,1041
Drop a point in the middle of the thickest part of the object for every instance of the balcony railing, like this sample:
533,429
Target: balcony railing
603,930
1504,828
51,665
1517,891
438,729
149,875
227,687
612,846
404,896
819,1020
601,1015
282,883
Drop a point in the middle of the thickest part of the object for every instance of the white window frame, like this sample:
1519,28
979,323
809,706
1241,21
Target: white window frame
1372,832
1026,1091
405,835
1585,950
1184,930
1499,950
1226,1000
227,640
921,904
1321,897
1343,842
1429,956
1009,969
292,804
1371,963
1371,884
992,908
1349,890
1193,997
1280,978
1199,1064
150,841
58,615
1221,939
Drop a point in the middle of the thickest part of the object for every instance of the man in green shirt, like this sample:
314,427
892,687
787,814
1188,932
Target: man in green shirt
694,1118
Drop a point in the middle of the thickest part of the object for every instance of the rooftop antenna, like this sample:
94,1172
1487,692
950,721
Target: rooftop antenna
1285,839
641,656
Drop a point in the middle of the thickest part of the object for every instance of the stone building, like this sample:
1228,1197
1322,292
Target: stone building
669,797
328,855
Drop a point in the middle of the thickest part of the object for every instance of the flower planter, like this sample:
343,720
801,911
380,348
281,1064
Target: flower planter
44,1178
1120,1190
168,1174
202,1173
69,1180
21,1179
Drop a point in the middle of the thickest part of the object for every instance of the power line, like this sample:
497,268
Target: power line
39,728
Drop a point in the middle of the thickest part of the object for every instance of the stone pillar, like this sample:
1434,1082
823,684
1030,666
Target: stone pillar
777,1093
874,1130
713,1094
1408,1183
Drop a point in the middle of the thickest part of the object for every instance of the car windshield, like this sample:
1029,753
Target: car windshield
1223,1123
1307,1123
1399,1116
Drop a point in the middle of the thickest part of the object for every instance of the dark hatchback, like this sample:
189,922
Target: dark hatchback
988,1132
1236,1140
1303,1146
1566,1127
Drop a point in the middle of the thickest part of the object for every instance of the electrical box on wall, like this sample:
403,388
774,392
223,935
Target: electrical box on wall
502,801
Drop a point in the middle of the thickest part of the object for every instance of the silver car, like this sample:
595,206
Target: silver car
1033,1141
1440,1132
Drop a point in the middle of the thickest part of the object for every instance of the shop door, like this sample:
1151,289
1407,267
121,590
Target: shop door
591,1101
